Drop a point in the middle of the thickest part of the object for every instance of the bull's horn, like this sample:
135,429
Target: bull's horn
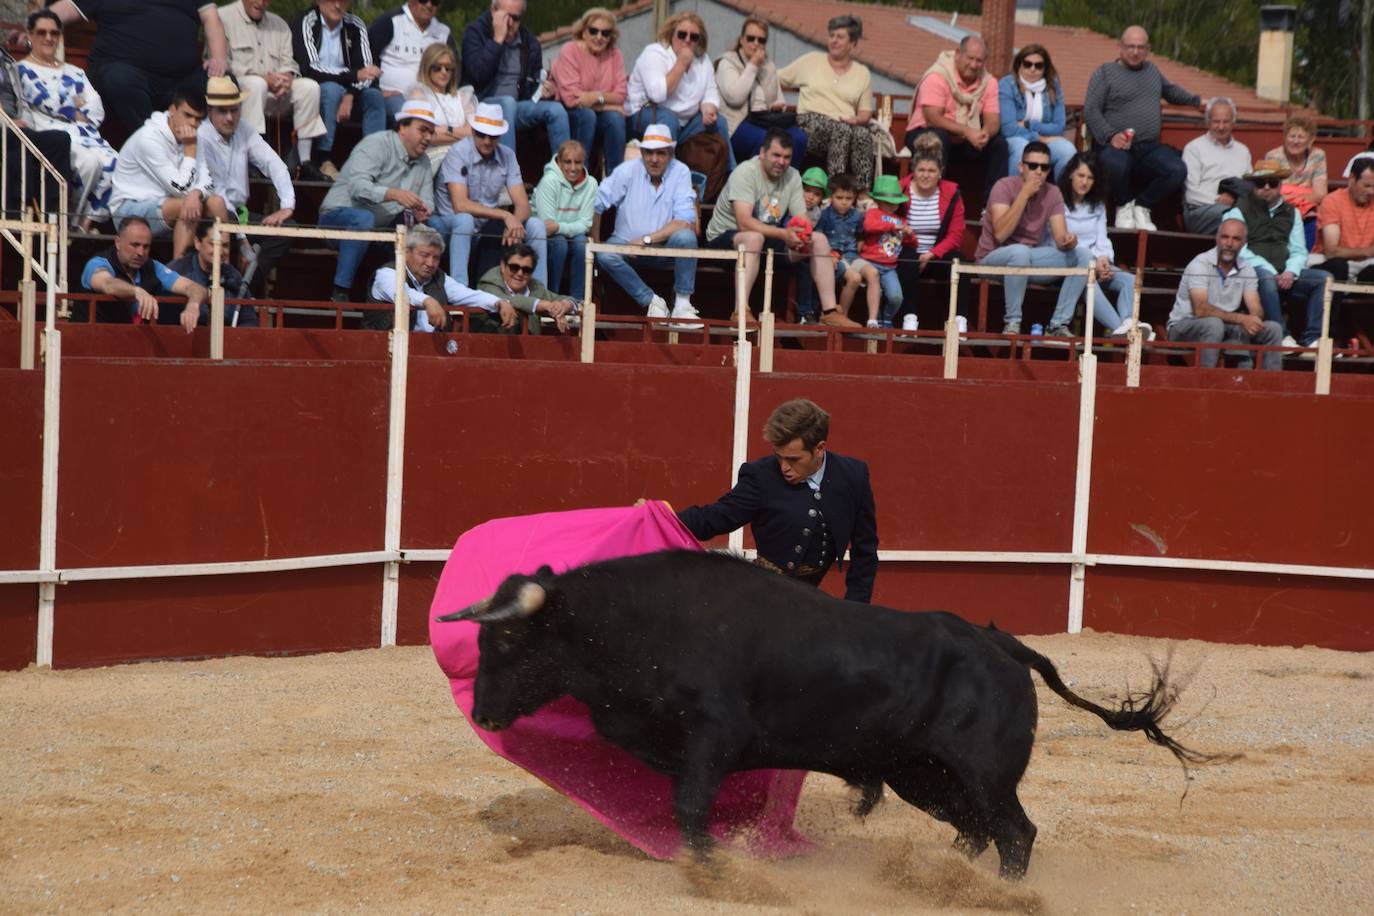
470,612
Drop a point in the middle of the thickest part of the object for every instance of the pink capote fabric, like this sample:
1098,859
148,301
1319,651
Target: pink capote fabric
558,743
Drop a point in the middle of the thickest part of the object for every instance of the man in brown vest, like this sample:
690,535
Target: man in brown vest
1277,248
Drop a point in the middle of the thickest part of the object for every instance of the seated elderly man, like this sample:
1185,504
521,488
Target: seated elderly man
1024,212
1276,246
956,101
399,37
158,179
261,56
503,62
654,205
513,282
430,292
467,194
1218,300
126,272
1211,160
227,146
198,267
386,176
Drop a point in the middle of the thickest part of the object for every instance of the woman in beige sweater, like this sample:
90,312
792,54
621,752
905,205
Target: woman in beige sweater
748,85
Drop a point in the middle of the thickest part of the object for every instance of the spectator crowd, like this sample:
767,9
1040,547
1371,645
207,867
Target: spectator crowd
443,117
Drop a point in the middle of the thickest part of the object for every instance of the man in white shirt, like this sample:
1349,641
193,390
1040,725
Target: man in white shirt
1211,159
157,181
261,58
430,291
227,146
399,37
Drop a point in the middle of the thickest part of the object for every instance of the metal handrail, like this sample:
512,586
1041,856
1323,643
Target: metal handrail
7,128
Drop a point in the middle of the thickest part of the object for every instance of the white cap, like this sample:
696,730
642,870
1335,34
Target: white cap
657,136
418,109
490,120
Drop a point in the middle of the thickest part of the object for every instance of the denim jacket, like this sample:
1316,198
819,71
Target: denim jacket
1011,105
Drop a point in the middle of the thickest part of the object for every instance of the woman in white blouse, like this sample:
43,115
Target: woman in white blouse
437,83
673,84
1086,215
58,96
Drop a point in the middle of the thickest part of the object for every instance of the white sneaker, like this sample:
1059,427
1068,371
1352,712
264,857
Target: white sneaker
1121,330
909,321
658,308
962,322
1143,221
873,323
1125,215
1288,341
684,310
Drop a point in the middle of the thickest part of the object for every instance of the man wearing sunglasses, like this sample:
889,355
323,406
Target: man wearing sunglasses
1276,246
518,292
504,64
398,38
1020,208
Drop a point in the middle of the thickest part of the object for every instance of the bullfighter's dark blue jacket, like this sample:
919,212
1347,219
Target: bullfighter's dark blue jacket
797,528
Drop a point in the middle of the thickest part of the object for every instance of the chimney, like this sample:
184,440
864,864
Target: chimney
999,32
1030,12
1274,80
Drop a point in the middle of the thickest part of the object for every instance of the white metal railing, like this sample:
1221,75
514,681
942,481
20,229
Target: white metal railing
13,139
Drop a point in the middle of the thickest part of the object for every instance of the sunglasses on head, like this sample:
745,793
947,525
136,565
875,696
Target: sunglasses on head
1033,64
756,39
1266,182
519,268
1036,166
692,37
598,33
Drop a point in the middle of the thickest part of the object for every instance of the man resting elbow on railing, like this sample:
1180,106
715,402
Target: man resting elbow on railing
126,273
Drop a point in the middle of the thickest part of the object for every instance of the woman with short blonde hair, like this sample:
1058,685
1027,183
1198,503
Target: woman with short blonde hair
589,78
674,84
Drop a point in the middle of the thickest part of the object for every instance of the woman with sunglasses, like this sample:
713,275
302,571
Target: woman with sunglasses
589,78
1030,102
1085,211
751,95
674,84
58,96
836,101
436,82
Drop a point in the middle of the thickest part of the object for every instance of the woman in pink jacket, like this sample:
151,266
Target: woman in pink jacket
589,76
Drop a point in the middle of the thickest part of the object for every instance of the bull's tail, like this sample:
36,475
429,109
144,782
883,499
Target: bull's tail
1139,712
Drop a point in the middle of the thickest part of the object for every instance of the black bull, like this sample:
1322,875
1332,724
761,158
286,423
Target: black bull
701,664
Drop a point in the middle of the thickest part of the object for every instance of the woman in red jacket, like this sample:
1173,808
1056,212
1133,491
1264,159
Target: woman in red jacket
934,211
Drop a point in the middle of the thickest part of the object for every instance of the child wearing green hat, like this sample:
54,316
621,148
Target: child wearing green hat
884,233
815,185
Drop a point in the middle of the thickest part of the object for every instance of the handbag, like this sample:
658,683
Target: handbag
771,119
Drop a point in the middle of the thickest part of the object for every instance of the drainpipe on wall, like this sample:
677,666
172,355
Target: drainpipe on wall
661,14
1274,79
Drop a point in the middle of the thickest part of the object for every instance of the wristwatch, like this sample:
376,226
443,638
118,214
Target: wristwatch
648,240
601,98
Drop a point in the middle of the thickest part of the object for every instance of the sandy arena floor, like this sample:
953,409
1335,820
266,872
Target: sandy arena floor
351,782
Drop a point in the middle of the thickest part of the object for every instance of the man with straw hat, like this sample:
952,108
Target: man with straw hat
467,197
655,206
386,177
1276,246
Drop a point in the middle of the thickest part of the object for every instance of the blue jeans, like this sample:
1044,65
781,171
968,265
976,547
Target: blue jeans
621,271
526,114
1161,166
747,139
604,130
394,104
1014,287
1309,285
350,253
1122,284
373,113
1061,151
463,231
652,114
561,247
892,291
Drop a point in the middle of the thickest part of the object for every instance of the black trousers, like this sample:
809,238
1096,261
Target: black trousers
56,147
131,94
910,274
965,162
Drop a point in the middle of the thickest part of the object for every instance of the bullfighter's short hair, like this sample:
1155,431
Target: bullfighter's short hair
798,419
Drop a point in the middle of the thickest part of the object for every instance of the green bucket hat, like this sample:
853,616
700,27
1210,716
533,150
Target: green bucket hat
888,189
815,178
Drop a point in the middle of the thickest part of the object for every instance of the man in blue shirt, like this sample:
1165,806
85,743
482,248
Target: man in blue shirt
1276,247
126,273
655,205
198,265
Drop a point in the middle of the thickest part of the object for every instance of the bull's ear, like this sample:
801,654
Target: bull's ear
545,573
527,600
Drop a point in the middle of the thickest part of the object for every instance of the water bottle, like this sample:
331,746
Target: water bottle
1037,330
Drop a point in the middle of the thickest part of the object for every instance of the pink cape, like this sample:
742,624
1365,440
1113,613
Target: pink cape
558,743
